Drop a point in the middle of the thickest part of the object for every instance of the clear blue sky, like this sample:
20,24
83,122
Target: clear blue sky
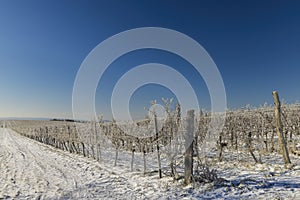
255,44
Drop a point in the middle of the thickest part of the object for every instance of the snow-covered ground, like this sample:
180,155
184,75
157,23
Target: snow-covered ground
31,170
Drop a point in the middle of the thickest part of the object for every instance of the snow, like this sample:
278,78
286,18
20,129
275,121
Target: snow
31,170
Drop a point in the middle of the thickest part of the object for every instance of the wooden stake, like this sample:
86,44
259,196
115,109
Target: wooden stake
188,157
282,141
157,146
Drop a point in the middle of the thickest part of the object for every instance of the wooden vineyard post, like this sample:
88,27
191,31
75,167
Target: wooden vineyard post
157,146
132,156
144,158
282,141
188,157
97,141
116,156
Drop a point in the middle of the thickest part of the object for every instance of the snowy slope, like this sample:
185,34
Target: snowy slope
31,170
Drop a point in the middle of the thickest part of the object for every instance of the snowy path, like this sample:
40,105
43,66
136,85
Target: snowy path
30,170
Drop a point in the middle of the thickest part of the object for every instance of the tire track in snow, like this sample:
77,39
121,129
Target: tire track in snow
31,170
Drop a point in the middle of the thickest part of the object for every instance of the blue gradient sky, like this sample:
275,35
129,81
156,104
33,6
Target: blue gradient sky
255,44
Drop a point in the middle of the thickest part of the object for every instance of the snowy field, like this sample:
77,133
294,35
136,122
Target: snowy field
31,170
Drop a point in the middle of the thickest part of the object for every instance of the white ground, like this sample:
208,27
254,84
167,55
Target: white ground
30,170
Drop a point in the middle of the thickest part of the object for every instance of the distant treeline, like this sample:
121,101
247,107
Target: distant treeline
72,120
67,120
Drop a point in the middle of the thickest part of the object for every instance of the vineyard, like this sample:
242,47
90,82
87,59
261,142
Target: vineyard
178,147
251,130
